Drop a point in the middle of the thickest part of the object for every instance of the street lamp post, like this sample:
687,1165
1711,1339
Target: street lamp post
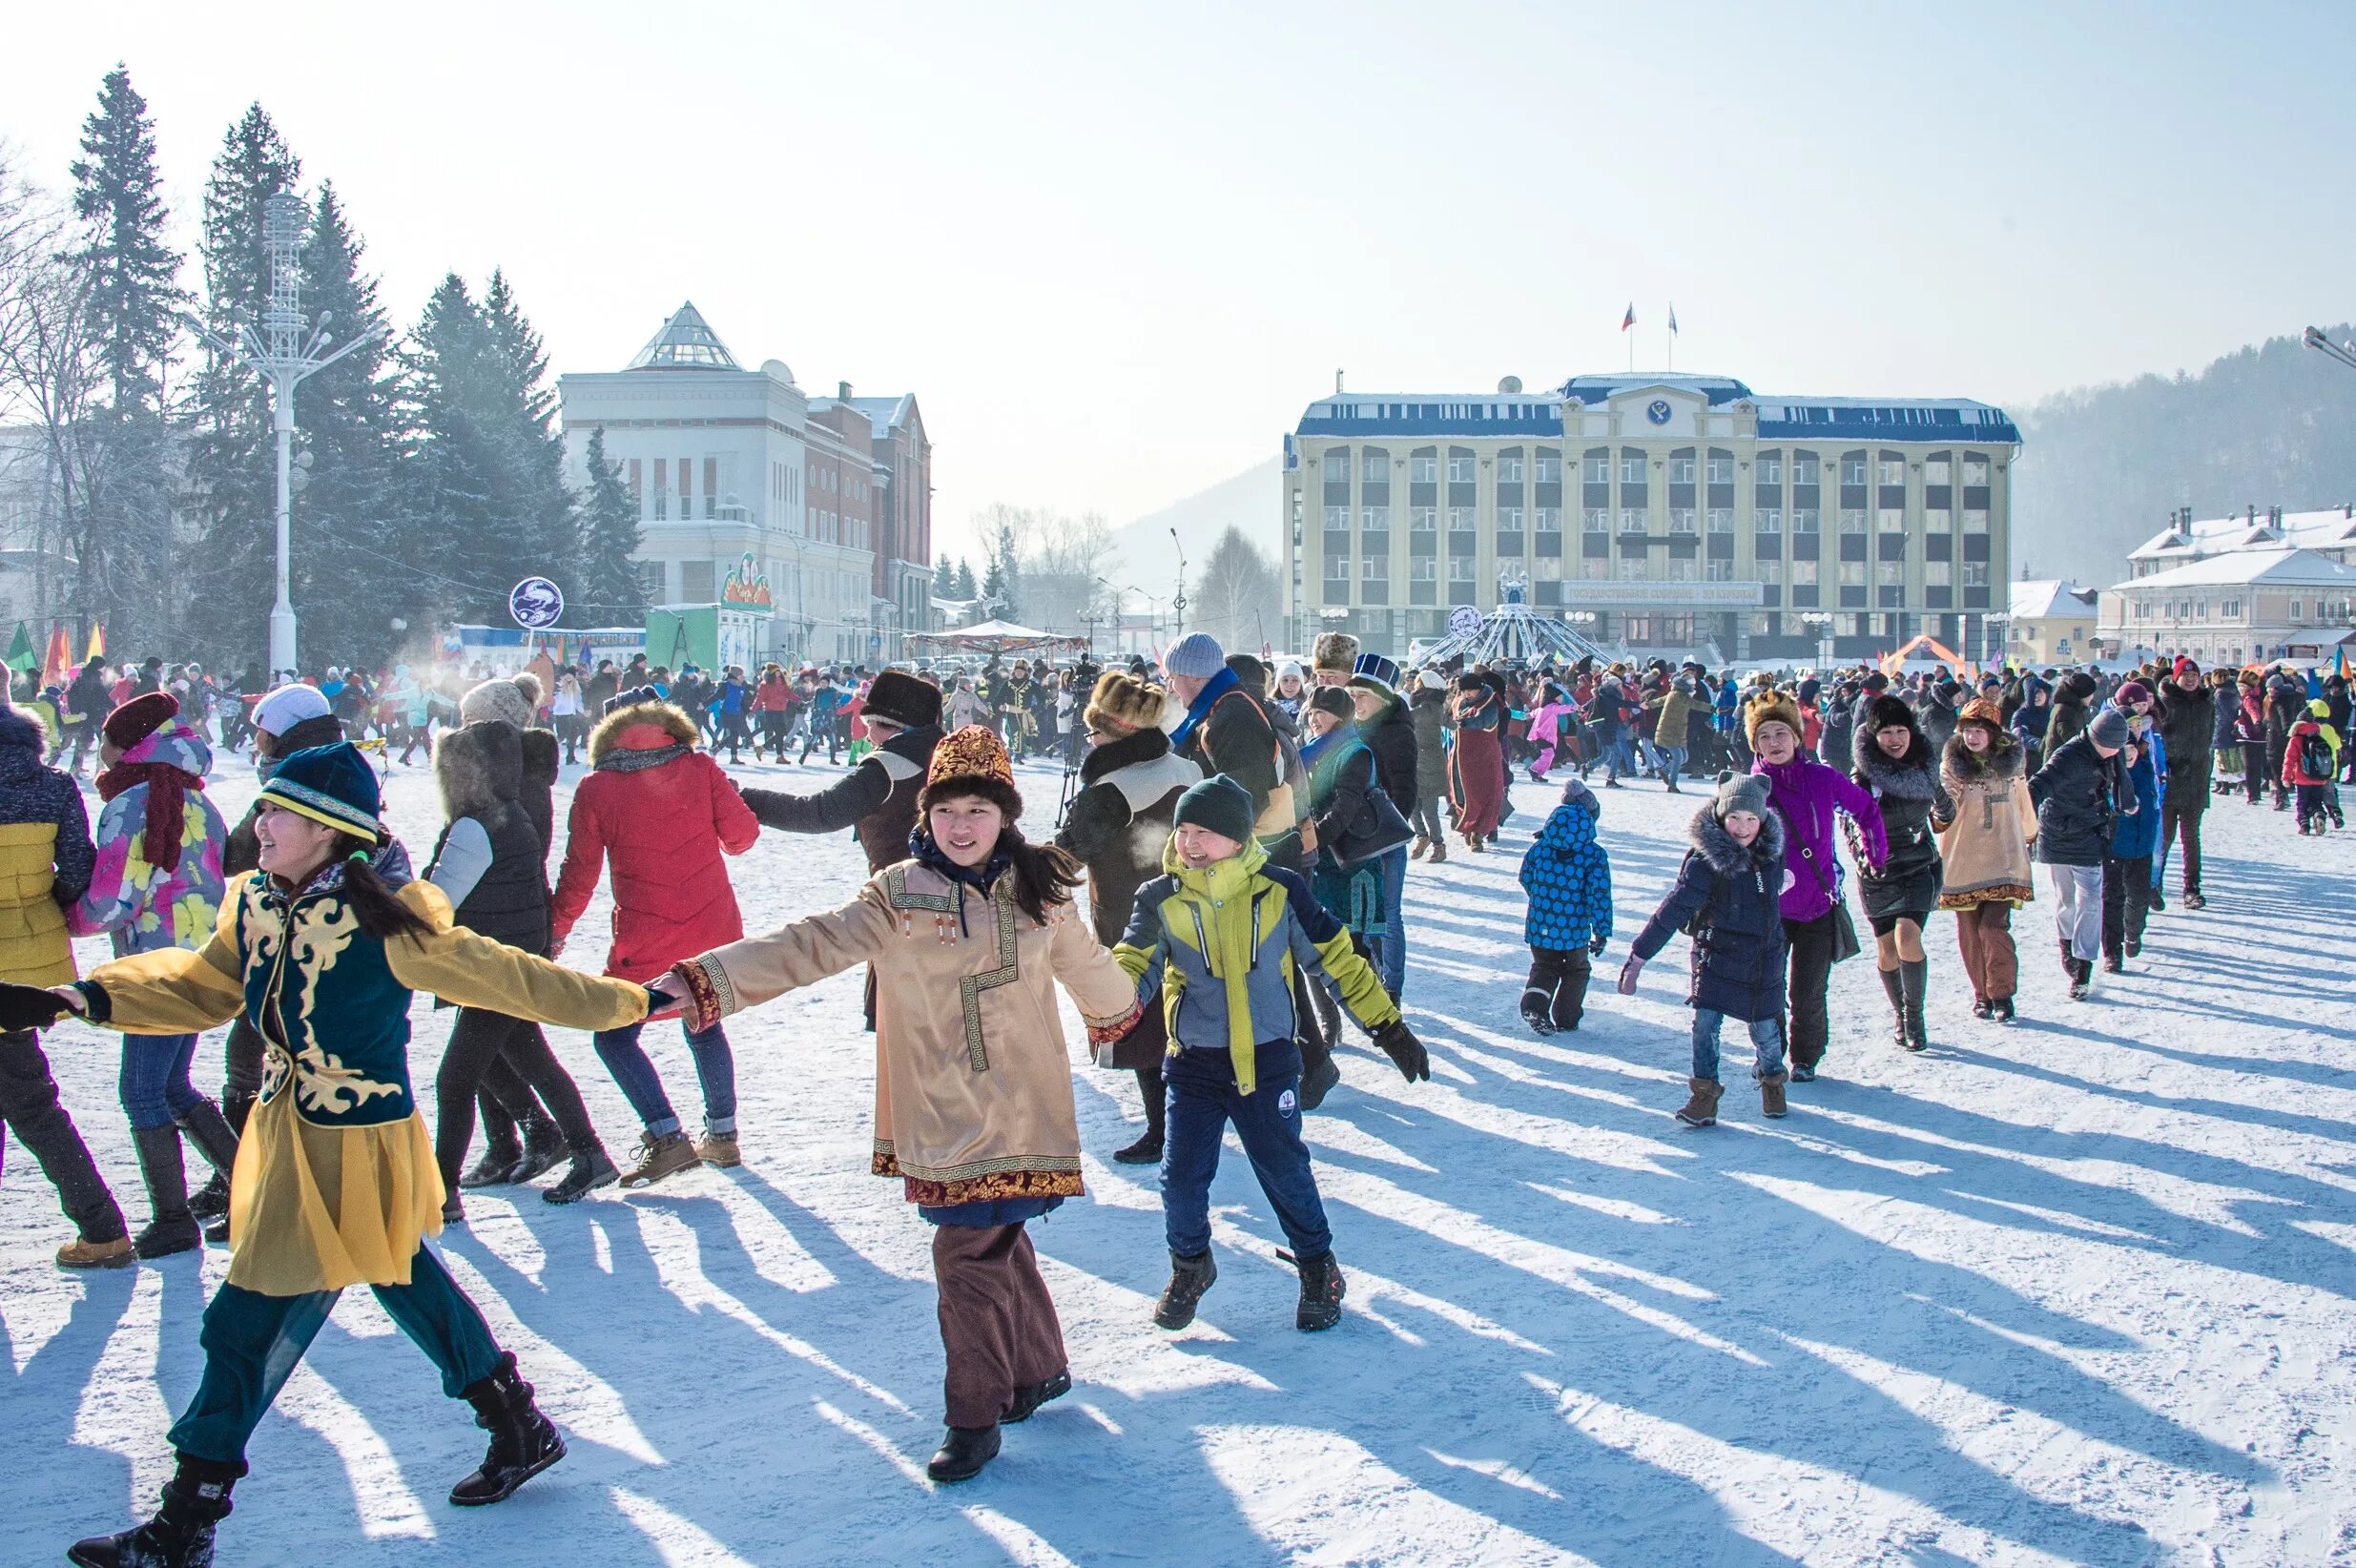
286,352
1823,624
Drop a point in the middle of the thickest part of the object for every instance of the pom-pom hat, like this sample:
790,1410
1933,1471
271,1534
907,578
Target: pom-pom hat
332,785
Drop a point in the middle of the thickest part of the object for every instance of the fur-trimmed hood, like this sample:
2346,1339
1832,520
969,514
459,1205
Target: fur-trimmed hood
2001,763
1904,779
1727,857
21,731
478,766
641,727
1143,746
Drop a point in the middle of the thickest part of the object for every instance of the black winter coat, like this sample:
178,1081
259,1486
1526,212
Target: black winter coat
480,768
2073,709
1908,793
1733,898
1428,711
2188,731
1393,739
2076,795
877,799
243,852
1118,826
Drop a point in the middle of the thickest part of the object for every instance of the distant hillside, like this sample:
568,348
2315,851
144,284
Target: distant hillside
2101,466
1250,500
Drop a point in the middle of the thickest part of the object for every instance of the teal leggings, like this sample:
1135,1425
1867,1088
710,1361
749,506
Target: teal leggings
253,1342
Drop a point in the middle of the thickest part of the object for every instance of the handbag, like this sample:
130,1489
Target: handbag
1388,830
1844,929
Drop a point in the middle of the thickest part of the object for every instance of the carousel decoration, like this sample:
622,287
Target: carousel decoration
1513,633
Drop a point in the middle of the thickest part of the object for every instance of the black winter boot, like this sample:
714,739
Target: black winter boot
1188,1279
1029,1396
180,1535
500,1156
543,1150
170,1228
209,1131
214,1197
523,1442
1897,1007
592,1167
1914,975
963,1454
1322,1288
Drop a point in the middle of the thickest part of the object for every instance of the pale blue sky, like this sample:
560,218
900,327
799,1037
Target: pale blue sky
1115,251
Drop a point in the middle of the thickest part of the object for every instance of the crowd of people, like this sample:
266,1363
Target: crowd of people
1243,829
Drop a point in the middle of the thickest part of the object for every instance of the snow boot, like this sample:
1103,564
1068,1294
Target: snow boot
2068,959
1029,1396
2081,979
170,1228
1890,987
79,1253
1188,1279
1423,847
180,1535
1982,1007
2194,900
2002,1009
500,1156
1538,1011
1701,1111
719,1150
1771,1102
1439,852
1322,1288
524,1442
453,1209
592,1167
660,1156
963,1454
1145,1152
217,1142
543,1150
1914,975
2114,964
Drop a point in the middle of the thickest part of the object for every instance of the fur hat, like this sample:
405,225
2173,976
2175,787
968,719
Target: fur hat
974,751
1122,705
1770,706
2109,729
500,699
1197,656
898,697
1220,804
332,785
1886,713
139,718
1982,711
1336,651
1740,793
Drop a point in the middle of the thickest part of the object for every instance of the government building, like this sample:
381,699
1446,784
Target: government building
1662,514
815,513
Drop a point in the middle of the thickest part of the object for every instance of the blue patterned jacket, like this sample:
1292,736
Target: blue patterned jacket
1568,877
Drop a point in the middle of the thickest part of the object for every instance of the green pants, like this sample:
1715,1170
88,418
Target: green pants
253,1342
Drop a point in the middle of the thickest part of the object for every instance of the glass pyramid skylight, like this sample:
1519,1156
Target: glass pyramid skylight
684,342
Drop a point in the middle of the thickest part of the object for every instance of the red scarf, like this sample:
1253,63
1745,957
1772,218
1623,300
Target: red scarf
164,786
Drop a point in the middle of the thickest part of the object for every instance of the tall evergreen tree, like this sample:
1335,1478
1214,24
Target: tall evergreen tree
232,458
122,536
546,526
454,520
612,592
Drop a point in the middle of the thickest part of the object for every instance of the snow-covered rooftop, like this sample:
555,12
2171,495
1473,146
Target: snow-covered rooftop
2040,598
2329,527
2279,567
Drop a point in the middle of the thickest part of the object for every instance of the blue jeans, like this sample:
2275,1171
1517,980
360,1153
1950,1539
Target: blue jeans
1202,1100
1390,950
1672,758
1766,1038
643,1087
154,1085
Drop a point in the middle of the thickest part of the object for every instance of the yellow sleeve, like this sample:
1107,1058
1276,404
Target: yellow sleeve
1361,988
744,974
473,971
1099,981
177,990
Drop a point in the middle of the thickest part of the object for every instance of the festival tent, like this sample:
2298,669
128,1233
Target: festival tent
996,637
1514,634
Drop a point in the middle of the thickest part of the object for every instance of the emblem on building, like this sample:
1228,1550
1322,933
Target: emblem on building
1658,410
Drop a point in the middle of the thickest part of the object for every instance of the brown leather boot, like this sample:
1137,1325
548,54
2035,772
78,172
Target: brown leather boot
1771,1094
1702,1110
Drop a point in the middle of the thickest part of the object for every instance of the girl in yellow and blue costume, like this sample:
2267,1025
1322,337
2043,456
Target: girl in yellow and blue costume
335,1182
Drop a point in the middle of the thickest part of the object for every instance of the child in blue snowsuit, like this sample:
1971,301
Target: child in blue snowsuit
1569,880
2127,869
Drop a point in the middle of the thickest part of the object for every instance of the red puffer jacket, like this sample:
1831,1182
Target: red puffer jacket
664,820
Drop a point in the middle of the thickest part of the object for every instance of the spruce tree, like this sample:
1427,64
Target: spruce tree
611,591
546,524
122,536
232,453
454,520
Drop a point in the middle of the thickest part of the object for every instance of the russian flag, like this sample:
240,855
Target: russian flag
1628,320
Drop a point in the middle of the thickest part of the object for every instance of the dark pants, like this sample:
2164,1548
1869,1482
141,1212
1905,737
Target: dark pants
1150,1091
2276,746
242,1063
2175,823
997,1324
253,1343
1429,822
2317,801
1203,1100
2126,902
478,1040
1558,983
1811,970
643,1086
29,1103
153,1084
2254,768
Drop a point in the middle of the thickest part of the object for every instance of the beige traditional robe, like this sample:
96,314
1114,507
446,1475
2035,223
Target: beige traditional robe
973,1080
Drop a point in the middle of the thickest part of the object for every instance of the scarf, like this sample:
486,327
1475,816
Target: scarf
980,878
638,762
1199,709
161,847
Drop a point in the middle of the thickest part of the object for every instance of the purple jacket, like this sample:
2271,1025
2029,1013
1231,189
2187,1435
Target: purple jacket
1809,795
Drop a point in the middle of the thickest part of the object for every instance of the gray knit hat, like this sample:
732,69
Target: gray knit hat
1197,654
500,699
2109,729
1740,793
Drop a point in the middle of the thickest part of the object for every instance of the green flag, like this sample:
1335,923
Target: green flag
21,655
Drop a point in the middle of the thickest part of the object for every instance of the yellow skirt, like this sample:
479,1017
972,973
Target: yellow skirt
319,1208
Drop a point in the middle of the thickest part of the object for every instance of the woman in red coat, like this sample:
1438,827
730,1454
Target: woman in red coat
664,814
1477,765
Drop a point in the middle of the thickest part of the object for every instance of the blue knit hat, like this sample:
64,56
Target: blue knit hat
1220,804
1197,654
332,785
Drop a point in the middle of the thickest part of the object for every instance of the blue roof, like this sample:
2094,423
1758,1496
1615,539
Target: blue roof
1596,390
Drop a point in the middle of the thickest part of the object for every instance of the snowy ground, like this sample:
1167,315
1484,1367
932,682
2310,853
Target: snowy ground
2074,1291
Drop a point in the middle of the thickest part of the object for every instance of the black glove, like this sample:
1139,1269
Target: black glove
1595,944
28,1007
1399,1043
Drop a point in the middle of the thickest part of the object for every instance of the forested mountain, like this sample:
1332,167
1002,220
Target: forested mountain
2103,466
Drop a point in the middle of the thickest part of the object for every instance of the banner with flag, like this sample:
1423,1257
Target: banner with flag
1628,320
21,657
1673,315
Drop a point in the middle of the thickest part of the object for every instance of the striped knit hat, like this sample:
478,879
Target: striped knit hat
332,785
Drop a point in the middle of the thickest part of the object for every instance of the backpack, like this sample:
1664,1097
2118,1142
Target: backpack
2315,758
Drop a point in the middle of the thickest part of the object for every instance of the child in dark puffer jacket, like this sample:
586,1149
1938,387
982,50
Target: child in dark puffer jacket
1569,880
